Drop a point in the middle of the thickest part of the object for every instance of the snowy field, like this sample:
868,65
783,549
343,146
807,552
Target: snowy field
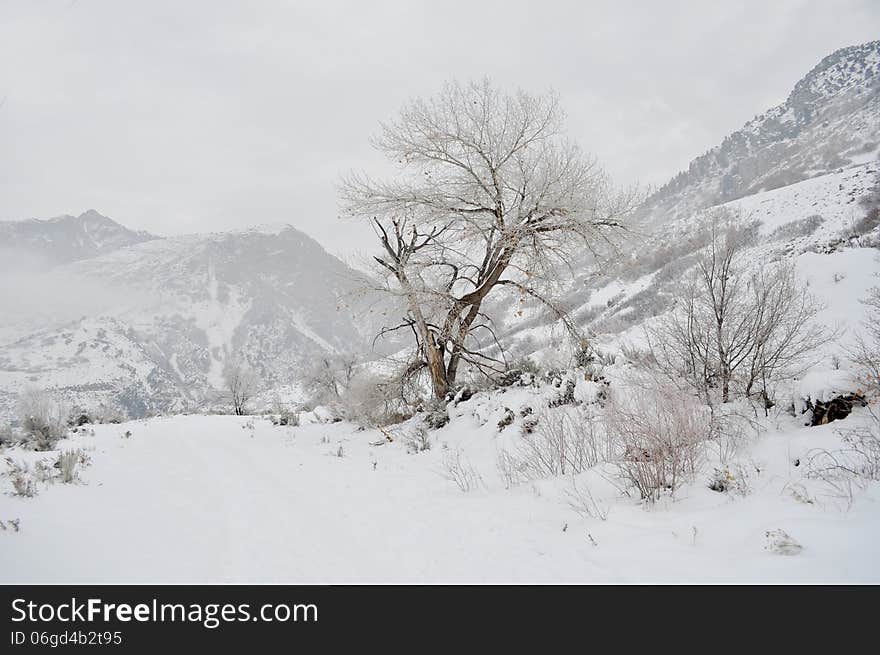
237,499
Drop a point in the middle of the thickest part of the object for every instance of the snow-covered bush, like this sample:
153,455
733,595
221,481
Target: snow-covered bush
660,435
43,418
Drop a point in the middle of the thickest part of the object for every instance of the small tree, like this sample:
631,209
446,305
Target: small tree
731,327
241,384
492,197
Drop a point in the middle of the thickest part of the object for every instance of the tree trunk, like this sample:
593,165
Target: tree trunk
439,383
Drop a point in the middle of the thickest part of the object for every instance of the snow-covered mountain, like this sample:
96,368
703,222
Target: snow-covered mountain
803,174
64,239
175,311
830,120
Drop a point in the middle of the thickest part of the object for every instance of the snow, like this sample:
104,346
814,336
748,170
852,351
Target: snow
236,499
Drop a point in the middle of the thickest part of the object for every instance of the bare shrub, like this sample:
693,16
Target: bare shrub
43,418
456,468
563,441
579,498
509,468
661,436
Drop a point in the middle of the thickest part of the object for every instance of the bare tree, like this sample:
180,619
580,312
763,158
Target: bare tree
730,326
241,384
491,196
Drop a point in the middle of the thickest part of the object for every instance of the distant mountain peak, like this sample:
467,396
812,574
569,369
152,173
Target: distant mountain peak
67,238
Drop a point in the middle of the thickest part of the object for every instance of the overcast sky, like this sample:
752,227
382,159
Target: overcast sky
193,116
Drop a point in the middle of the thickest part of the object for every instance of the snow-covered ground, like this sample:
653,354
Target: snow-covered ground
235,499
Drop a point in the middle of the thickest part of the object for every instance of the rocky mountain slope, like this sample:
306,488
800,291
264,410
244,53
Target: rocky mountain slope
804,175
830,120
175,311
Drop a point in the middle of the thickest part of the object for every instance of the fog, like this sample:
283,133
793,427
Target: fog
203,116
35,296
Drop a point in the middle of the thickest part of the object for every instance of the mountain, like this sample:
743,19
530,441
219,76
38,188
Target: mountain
64,239
157,321
830,120
801,175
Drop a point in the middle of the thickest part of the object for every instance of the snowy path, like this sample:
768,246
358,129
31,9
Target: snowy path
200,499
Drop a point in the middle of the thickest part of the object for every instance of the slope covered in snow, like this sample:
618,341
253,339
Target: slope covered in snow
154,324
830,120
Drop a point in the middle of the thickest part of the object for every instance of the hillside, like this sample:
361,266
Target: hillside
158,320
830,121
